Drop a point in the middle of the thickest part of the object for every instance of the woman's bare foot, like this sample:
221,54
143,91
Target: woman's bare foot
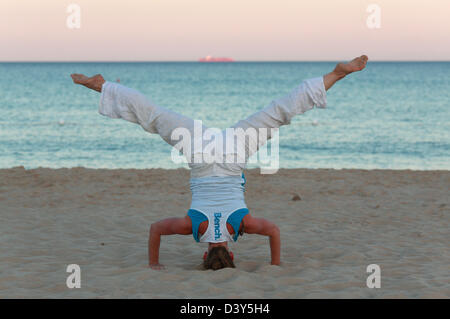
94,82
357,64
343,69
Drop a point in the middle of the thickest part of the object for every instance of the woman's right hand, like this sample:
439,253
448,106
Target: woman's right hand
157,266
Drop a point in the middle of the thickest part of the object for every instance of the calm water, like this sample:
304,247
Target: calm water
392,115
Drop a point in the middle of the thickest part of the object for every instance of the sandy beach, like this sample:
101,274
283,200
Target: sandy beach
342,221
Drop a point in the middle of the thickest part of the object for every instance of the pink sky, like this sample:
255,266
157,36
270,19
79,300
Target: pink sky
246,30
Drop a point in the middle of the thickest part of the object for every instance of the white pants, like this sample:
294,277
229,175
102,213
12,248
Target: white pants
118,101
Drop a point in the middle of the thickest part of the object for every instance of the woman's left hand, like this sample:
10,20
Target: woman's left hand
157,266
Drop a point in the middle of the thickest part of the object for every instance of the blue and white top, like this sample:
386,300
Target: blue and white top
218,200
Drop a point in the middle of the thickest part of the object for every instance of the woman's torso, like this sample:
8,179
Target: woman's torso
219,201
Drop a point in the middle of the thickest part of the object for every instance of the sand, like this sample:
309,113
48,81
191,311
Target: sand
342,221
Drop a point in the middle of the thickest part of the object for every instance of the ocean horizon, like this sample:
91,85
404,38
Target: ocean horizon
393,115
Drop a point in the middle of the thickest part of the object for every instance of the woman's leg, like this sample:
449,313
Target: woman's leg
118,101
280,112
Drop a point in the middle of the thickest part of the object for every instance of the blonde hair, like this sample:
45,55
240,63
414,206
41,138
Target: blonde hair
218,258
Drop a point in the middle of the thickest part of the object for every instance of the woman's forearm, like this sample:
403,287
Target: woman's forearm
154,242
275,246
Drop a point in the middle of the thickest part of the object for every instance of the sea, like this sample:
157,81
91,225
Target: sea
392,115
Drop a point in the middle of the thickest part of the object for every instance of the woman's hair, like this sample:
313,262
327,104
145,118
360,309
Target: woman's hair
218,258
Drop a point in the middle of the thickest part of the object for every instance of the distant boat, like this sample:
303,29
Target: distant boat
214,59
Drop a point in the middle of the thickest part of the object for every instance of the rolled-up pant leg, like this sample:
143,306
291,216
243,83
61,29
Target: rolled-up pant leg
118,101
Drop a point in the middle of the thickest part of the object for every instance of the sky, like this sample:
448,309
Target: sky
245,30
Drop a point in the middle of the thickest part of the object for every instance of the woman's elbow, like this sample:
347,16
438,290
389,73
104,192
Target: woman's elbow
154,229
274,231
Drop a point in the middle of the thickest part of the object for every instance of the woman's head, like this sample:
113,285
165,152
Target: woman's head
217,258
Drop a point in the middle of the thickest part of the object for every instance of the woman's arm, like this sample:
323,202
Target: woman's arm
169,226
265,227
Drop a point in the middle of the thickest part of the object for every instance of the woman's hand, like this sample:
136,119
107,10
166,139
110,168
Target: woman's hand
157,266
